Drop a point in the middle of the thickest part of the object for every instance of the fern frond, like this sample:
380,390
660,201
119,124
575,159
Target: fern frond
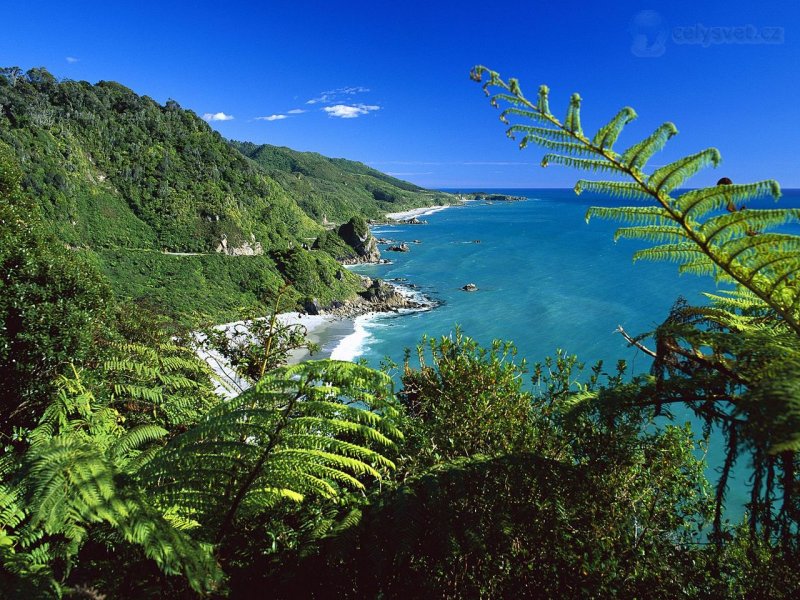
697,203
552,144
740,299
635,215
752,246
744,222
544,132
652,233
542,103
269,496
636,156
573,121
586,164
135,438
700,266
667,178
608,133
621,189
304,429
528,114
680,253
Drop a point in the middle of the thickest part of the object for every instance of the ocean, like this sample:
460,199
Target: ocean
546,280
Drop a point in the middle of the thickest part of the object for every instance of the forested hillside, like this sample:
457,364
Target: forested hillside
335,188
169,210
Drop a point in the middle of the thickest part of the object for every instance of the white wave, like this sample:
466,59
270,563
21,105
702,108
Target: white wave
416,212
355,344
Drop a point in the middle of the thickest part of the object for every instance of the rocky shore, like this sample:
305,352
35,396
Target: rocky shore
377,297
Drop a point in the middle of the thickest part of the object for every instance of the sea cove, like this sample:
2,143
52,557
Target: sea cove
546,280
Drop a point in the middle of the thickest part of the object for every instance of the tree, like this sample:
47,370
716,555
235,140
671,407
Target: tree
733,363
53,305
86,481
597,505
467,400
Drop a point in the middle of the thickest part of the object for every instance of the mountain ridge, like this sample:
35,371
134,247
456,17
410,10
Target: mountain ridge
158,200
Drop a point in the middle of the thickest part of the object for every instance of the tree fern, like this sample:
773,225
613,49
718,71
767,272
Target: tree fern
166,383
72,480
311,429
695,212
736,363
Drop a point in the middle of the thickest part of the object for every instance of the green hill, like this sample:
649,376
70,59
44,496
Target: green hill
160,201
335,188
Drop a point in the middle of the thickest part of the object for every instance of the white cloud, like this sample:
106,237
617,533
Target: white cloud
349,111
220,116
72,60
334,95
271,118
296,111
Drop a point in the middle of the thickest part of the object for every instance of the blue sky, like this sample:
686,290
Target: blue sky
391,85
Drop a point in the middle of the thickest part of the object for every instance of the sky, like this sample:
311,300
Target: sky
386,83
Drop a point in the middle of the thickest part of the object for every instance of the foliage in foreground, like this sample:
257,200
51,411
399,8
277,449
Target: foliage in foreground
555,505
465,400
735,363
85,477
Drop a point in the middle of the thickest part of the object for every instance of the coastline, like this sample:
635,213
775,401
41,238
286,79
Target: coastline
416,212
341,336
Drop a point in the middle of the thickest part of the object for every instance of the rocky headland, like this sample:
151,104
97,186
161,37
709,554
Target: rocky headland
377,296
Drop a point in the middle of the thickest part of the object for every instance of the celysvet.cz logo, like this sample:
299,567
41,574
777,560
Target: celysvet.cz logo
650,34
742,34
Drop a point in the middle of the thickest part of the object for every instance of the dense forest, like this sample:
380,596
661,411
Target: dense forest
123,475
124,180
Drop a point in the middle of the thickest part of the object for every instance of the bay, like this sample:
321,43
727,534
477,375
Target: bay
546,280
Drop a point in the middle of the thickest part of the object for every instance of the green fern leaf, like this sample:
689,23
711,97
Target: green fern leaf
669,177
733,225
684,252
635,215
587,164
621,189
608,134
636,156
697,203
652,233
573,121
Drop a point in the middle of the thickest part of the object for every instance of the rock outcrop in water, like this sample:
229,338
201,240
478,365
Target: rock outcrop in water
377,296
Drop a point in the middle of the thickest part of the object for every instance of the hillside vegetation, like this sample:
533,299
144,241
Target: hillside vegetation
336,189
158,200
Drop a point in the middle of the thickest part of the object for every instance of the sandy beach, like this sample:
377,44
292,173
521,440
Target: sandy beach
416,212
338,338
327,331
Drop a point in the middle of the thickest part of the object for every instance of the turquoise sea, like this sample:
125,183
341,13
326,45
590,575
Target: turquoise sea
546,280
